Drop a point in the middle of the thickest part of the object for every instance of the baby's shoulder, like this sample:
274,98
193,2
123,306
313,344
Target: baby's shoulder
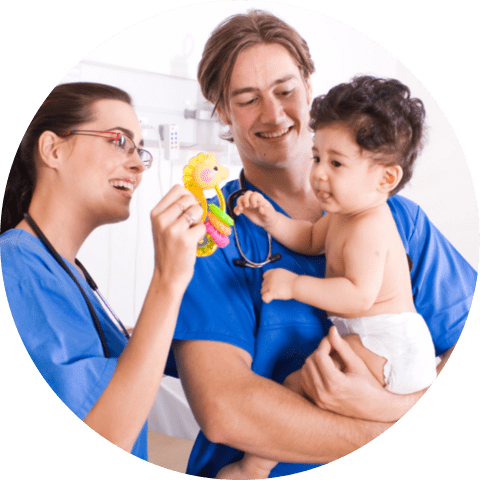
374,226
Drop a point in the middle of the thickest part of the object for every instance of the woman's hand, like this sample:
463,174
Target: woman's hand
347,386
177,228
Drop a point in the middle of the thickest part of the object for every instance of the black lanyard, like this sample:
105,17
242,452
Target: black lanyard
89,279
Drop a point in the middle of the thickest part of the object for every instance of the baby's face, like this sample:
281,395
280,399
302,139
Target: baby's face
343,177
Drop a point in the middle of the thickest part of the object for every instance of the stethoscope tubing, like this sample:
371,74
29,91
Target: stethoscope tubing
88,278
245,261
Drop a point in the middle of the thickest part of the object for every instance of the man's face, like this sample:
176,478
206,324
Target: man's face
268,107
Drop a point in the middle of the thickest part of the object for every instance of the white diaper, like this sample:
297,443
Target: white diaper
404,340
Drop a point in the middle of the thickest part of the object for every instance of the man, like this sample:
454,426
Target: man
232,351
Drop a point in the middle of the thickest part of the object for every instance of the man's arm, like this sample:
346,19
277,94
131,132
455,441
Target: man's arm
236,407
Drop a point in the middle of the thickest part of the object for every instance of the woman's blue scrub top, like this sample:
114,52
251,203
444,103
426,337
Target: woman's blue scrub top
223,303
56,327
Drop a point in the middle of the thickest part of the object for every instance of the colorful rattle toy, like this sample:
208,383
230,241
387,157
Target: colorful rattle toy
203,173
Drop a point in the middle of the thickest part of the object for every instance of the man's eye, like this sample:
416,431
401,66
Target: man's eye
246,101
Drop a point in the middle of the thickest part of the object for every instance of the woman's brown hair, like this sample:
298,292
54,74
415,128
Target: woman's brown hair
66,107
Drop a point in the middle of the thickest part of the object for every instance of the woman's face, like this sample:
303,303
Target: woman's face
98,176
268,108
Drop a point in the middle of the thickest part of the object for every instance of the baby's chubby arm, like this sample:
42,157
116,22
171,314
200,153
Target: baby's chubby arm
298,235
364,256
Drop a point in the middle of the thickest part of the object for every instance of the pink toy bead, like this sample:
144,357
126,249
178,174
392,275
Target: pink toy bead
220,239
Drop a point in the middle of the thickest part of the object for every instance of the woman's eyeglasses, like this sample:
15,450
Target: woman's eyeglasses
121,141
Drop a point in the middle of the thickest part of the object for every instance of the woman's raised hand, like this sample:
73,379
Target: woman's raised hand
177,228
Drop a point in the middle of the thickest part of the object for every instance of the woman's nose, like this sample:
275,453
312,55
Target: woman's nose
135,163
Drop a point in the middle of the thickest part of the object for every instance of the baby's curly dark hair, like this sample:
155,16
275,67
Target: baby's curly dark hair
383,117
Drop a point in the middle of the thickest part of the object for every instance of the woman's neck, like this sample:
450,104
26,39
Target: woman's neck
62,227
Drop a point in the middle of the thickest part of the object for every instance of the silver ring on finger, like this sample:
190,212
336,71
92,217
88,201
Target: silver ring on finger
191,219
181,207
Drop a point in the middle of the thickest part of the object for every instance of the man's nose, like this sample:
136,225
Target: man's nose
272,111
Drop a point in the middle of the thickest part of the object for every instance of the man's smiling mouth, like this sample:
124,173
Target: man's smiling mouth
273,135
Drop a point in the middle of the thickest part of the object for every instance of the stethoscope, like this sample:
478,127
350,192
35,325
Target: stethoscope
245,261
89,280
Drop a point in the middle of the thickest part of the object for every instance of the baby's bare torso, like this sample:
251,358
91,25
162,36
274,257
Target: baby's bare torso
395,294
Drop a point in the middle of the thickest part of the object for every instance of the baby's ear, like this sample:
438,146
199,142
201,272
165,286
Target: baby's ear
391,178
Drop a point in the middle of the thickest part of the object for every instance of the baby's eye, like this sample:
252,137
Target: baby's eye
316,159
336,163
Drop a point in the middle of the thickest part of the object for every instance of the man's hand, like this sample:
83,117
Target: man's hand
335,378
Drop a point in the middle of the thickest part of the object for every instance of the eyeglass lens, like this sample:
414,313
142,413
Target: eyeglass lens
126,144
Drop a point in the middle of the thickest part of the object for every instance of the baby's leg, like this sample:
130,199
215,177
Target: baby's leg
374,362
250,466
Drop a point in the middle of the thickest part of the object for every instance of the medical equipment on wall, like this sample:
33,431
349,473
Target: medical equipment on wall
202,173
89,280
170,136
244,261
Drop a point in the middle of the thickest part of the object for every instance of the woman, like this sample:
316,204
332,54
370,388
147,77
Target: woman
77,168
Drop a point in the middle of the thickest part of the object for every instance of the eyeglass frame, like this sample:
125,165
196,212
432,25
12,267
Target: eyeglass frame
115,136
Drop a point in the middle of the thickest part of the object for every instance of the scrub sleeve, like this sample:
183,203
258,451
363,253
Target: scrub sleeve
223,303
56,327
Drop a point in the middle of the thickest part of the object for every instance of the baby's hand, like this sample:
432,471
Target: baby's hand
257,209
277,285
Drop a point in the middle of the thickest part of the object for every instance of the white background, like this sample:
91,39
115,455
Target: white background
162,84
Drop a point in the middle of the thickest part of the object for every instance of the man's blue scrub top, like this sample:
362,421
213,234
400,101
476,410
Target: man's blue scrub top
223,303
56,327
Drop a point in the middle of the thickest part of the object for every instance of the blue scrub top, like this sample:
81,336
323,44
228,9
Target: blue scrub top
56,327
223,303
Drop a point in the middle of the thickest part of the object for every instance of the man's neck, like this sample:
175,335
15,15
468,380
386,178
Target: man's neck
288,187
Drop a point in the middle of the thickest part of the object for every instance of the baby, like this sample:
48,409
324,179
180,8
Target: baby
368,134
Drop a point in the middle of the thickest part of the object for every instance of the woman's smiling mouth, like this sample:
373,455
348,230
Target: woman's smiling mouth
126,186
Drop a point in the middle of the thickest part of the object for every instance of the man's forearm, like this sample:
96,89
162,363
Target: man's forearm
283,426
248,412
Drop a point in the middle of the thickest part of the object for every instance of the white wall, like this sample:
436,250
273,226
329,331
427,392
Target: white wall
155,61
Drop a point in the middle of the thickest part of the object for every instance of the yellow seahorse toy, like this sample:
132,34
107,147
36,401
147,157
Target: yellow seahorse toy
203,173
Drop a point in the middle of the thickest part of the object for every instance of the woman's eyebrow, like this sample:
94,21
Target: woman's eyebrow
239,91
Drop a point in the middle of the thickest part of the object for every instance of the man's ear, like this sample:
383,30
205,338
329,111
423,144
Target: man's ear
49,149
308,85
391,177
221,111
